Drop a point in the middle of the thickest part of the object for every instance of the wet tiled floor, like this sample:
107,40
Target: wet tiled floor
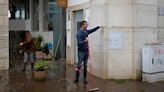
60,79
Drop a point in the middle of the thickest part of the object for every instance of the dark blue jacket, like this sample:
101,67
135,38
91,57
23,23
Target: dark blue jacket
81,36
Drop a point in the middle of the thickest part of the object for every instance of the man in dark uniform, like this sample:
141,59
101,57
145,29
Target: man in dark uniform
82,42
12,9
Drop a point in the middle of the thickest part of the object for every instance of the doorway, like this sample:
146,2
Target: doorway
78,17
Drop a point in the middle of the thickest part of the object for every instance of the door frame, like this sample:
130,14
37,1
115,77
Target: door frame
75,32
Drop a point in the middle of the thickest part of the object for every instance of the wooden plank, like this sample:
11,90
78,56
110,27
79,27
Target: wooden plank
62,3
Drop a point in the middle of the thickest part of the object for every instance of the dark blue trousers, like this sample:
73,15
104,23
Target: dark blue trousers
82,58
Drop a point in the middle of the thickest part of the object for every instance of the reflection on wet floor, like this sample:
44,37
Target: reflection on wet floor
60,79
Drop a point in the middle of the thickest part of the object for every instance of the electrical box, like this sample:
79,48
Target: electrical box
153,63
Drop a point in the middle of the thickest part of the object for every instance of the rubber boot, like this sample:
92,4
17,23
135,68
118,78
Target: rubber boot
32,66
85,76
24,66
77,76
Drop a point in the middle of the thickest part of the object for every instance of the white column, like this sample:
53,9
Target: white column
31,14
41,16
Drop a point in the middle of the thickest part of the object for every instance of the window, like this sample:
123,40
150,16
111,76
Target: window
19,9
35,15
45,10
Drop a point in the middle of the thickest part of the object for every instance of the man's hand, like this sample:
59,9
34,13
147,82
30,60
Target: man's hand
102,28
86,39
21,43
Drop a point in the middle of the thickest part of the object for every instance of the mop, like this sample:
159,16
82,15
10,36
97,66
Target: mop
57,46
92,89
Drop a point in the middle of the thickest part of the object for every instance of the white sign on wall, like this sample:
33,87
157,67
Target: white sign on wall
160,11
68,27
115,40
68,38
68,24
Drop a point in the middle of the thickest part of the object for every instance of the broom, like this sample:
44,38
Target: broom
92,89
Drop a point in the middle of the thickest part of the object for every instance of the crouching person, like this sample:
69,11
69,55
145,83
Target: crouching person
28,48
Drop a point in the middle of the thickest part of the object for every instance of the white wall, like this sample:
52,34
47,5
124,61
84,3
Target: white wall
138,20
161,21
145,16
75,2
47,36
19,25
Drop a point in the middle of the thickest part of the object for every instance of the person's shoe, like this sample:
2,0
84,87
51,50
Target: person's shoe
24,66
85,81
76,81
77,77
23,70
32,66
